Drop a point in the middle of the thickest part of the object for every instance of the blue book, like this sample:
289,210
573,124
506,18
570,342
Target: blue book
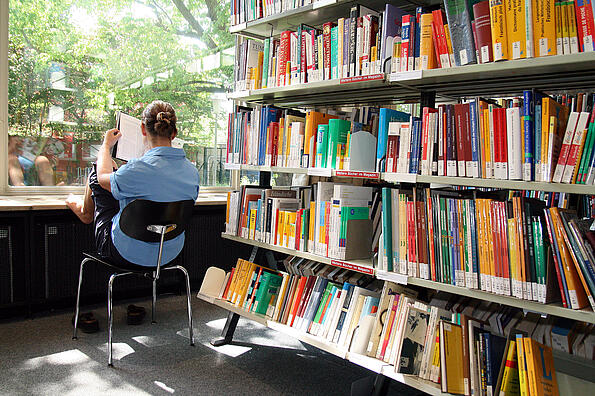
537,135
268,114
334,53
258,214
386,116
473,228
387,228
417,40
369,303
475,150
347,287
456,241
265,63
417,124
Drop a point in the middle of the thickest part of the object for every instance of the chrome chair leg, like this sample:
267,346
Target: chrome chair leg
110,319
154,301
189,305
78,298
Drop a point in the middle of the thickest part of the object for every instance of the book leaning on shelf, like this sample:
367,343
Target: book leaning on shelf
368,42
457,342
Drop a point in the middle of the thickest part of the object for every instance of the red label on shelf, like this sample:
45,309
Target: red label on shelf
353,267
369,77
360,174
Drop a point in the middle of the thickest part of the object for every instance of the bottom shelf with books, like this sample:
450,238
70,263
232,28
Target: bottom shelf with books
374,365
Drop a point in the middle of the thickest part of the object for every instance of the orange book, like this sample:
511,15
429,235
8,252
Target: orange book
451,53
544,27
515,26
540,369
227,207
576,292
499,33
280,228
523,382
239,277
313,119
258,74
280,147
243,289
427,56
228,285
296,299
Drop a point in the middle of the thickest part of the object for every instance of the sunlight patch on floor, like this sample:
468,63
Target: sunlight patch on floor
149,341
229,349
119,350
73,356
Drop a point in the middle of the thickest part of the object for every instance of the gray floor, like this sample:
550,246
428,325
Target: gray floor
39,357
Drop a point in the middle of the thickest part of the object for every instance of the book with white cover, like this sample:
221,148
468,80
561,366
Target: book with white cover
515,155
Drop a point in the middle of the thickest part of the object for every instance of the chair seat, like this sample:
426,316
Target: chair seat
139,269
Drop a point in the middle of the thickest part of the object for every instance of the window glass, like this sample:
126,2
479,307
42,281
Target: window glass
74,64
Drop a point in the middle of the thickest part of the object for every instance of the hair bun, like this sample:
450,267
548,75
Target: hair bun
163,116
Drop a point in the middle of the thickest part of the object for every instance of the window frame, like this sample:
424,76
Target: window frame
5,188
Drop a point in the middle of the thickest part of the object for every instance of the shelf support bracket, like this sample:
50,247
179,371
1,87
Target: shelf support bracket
374,386
228,330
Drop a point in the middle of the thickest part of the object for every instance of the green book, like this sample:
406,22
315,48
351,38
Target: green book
583,168
445,242
334,52
337,137
351,213
265,62
325,295
321,145
269,285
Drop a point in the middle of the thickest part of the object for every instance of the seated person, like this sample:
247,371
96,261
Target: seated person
21,170
162,174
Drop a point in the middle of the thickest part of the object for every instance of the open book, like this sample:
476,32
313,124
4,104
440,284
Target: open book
131,144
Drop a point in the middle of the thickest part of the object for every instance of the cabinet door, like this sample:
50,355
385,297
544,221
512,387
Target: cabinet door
13,287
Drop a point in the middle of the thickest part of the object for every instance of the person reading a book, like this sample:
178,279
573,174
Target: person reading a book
22,171
162,174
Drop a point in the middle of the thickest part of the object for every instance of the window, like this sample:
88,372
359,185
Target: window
72,65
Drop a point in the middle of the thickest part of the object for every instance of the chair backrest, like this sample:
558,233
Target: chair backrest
140,214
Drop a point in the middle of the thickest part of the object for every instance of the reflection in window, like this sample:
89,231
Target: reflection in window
72,65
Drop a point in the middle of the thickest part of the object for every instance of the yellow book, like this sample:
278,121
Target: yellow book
427,57
559,37
288,73
542,374
515,26
451,53
510,376
434,375
311,226
241,272
572,28
523,384
403,234
530,366
281,297
234,280
258,74
451,356
227,208
544,27
245,284
252,226
291,231
549,108
563,16
499,33
513,245
487,142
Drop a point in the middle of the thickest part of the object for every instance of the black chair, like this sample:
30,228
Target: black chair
147,221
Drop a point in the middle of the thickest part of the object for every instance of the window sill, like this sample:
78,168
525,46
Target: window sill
32,202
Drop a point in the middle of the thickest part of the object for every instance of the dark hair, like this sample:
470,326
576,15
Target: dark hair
160,119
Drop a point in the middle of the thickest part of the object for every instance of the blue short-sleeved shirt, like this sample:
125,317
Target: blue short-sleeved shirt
163,174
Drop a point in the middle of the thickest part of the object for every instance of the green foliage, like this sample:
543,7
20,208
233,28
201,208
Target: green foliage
117,55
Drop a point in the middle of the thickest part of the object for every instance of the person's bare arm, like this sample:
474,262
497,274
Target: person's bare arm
104,158
15,172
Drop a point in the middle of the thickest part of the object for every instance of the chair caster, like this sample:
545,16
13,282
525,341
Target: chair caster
153,322
110,365
192,344
75,338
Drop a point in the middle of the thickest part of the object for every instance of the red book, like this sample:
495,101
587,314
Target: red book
504,242
495,240
422,236
275,143
431,247
503,142
483,30
585,25
391,326
298,229
460,139
438,18
435,40
305,296
303,63
297,298
467,136
550,232
283,54
411,256
224,296
405,43
326,40
391,153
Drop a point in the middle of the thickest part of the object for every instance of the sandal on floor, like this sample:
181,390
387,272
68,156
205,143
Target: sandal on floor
135,315
87,323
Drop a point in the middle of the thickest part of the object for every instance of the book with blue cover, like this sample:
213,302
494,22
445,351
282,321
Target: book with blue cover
386,116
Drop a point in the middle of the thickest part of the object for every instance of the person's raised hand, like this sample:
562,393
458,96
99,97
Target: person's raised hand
111,137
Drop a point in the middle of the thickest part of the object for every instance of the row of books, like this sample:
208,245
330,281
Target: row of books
250,10
368,42
461,343
536,137
513,246
328,219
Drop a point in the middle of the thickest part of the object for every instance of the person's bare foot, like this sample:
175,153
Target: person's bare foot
75,204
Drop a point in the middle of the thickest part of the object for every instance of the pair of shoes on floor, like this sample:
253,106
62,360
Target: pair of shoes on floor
135,314
87,323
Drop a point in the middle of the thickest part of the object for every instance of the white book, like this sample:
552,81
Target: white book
335,318
404,153
567,140
581,130
441,154
514,139
394,129
395,354
324,193
395,227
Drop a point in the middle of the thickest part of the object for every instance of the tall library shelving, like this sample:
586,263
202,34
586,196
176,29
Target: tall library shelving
496,79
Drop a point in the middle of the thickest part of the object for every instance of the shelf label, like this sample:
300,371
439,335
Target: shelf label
406,75
369,77
353,267
322,3
325,172
400,177
229,166
360,174
392,277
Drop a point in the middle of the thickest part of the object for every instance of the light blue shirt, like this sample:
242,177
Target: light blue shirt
163,174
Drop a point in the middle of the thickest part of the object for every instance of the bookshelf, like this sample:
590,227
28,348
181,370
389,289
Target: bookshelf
506,78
